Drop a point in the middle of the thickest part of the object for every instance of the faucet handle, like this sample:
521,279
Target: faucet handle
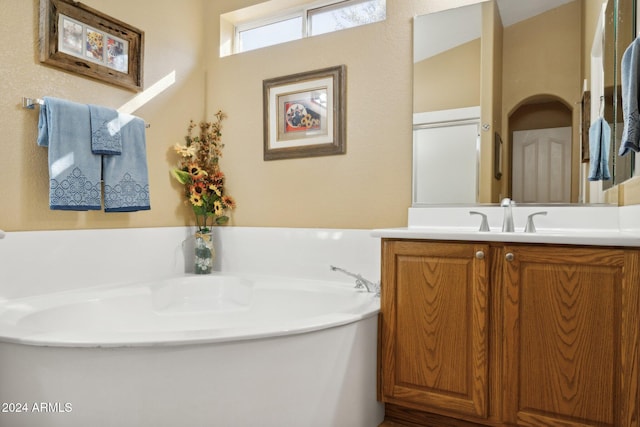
530,227
506,202
484,225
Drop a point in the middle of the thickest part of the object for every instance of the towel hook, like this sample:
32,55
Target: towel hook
601,110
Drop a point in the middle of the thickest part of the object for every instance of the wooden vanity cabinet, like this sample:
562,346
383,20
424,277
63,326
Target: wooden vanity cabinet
434,332
509,334
571,322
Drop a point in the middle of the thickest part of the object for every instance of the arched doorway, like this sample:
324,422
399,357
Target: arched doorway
540,144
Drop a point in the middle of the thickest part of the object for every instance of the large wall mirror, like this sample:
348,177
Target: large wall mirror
534,131
619,30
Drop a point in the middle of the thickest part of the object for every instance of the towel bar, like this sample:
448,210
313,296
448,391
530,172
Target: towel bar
30,104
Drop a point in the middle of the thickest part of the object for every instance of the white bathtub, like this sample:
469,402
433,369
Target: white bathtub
214,350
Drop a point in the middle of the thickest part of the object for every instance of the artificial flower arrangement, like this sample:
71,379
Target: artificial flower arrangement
198,170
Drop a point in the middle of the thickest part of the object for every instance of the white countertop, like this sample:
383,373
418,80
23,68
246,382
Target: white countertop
550,236
571,225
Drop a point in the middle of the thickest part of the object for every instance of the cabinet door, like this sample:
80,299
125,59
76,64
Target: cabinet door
435,326
571,336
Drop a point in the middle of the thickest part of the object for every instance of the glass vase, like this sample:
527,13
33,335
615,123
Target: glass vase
204,253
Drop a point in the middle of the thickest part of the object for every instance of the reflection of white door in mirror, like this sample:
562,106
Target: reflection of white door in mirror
446,163
446,156
542,166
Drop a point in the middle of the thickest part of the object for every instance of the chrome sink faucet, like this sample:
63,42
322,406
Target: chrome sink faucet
361,282
531,227
507,224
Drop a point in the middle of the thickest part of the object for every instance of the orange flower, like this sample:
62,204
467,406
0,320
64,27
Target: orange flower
218,178
198,188
228,202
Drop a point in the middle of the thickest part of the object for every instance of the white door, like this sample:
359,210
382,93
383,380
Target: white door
542,166
445,168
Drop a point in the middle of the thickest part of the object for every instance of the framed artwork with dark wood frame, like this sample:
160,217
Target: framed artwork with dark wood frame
304,114
82,40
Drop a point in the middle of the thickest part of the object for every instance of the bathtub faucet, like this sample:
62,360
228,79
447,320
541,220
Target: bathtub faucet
361,282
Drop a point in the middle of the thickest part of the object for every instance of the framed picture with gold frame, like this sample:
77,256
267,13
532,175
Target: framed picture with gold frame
304,114
79,39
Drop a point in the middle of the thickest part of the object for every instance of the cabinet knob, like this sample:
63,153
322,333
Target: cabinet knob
480,254
509,256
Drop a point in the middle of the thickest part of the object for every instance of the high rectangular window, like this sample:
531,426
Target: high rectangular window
269,34
343,15
264,30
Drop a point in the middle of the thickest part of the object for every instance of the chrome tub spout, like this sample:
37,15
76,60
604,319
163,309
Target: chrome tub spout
361,282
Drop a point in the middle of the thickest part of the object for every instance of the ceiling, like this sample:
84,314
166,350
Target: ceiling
512,11
463,24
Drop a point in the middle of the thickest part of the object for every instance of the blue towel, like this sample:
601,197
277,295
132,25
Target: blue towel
74,172
126,181
599,143
105,131
630,69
